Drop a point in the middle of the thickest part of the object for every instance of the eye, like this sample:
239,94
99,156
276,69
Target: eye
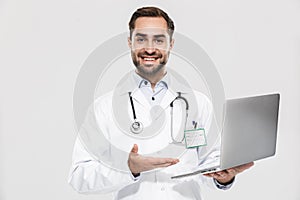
159,41
140,40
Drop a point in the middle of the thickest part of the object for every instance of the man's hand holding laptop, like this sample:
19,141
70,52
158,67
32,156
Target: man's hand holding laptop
226,176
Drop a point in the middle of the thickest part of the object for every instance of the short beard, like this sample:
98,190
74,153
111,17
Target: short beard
148,73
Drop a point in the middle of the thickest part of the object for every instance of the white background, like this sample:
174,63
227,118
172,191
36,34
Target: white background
254,44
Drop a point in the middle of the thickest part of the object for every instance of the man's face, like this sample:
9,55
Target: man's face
150,45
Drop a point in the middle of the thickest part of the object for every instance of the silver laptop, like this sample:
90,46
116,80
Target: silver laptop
249,132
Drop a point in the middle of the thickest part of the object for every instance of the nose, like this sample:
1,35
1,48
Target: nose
150,50
150,47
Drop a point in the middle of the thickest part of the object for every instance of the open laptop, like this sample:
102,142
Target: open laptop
249,132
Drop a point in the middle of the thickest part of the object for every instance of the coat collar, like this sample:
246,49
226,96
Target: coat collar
175,83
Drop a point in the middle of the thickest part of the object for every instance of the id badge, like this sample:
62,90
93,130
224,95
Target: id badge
195,138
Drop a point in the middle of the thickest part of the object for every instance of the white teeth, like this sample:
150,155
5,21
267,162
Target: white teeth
149,59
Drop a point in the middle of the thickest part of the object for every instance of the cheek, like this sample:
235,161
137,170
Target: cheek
165,56
164,53
134,54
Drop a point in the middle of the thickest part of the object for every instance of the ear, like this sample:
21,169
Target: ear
129,42
172,44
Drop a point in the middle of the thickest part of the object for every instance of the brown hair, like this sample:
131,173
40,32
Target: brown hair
151,12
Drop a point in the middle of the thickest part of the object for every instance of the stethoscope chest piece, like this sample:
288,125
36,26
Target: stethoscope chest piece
136,127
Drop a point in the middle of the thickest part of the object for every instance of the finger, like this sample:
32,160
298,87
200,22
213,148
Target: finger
134,148
232,171
162,165
248,165
159,161
244,166
216,176
211,175
222,173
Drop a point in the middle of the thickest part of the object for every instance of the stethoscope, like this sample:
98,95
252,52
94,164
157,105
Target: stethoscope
137,126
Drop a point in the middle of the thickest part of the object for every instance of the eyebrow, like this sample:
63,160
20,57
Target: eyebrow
158,36
155,36
141,34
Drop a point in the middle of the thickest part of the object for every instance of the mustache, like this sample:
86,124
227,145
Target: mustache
155,54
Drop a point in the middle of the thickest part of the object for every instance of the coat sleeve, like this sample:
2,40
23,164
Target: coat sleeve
88,173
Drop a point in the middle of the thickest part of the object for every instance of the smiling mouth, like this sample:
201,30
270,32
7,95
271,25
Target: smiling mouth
150,58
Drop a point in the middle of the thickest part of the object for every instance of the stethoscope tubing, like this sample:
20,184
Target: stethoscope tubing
137,127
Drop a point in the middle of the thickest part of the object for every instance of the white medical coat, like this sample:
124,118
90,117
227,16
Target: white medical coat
88,175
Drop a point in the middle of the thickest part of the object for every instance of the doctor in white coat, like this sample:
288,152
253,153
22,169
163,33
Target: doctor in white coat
140,177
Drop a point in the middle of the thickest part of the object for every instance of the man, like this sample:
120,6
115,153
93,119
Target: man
150,49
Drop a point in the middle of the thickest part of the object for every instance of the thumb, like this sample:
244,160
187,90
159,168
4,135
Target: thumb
135,148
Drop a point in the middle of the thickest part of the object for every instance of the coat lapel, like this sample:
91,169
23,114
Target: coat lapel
139,98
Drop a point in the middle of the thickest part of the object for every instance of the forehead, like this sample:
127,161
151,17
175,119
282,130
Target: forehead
151,22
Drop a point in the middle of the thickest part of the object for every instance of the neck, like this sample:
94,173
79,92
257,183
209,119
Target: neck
153,79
